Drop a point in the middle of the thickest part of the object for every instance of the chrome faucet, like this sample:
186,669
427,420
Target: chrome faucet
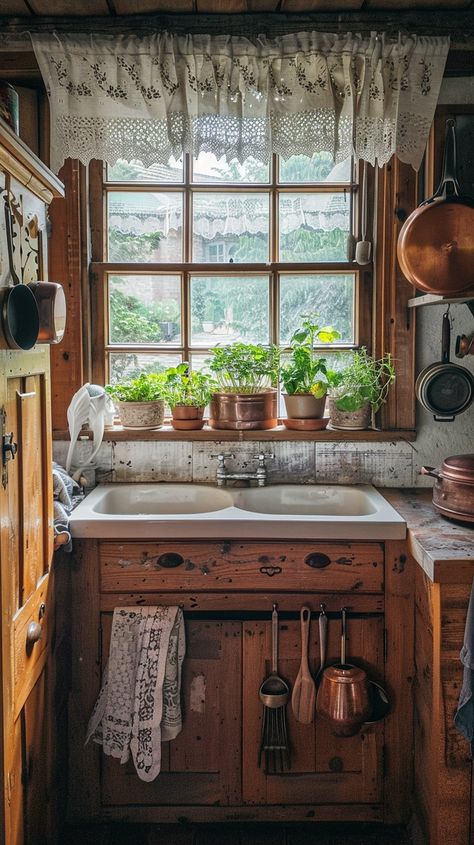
260,475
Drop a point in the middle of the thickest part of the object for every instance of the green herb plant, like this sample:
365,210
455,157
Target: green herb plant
148,387
306,371
187,387
245,367
364,379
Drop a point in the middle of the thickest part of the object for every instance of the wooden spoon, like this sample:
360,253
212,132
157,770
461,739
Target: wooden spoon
304,691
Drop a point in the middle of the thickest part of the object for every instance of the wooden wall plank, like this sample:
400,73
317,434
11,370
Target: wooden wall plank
319,5
417,4
221,6
143,7
65,7
65,266
15,7
394,326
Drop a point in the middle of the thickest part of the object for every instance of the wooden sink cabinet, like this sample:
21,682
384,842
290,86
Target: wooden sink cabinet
227,588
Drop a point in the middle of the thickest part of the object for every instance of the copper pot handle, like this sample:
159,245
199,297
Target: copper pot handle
430,471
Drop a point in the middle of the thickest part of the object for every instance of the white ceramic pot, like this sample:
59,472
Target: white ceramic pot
350,420
142,414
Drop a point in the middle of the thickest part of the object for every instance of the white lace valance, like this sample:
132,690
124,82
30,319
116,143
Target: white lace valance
153,97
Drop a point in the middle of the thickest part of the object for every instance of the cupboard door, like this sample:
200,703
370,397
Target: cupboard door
325,769
25,552
202,765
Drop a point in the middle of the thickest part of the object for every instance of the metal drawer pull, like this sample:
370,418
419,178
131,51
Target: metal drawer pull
169,560
270,570
317,560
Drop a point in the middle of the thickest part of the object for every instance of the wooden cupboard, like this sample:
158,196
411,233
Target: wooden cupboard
26,524
210,771
443,795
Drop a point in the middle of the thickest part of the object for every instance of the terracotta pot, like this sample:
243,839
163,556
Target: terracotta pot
244,411
187,418
343,698
453,492
142,414
303,406
351,420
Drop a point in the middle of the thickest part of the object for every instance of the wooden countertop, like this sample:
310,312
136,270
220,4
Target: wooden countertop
443,548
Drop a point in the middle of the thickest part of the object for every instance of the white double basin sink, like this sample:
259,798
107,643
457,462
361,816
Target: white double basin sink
280,511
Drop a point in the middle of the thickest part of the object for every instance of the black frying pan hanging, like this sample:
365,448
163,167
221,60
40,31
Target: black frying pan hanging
18,308
444,388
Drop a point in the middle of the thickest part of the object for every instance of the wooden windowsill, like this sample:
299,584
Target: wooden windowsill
117,433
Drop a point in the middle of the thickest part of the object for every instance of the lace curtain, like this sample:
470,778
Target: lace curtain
153,97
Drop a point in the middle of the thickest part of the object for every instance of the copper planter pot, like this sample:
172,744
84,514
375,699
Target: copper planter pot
244,411
453,491
187,418
343,698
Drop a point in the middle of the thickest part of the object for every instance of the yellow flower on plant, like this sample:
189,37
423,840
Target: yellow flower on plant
319,389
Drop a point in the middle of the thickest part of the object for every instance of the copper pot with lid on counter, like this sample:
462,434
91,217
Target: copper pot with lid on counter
453,491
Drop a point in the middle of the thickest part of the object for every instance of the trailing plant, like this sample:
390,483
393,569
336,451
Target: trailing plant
245,367
185,387
148,387
364,379
306,371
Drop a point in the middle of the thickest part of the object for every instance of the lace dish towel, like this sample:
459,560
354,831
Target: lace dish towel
139,703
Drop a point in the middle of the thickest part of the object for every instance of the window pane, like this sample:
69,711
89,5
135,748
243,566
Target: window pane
125,365
229,308
135,171
314,226
330,296
145,309
230,227
320,167
208,169
145,226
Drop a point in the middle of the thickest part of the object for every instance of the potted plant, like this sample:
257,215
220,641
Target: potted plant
246,375
359,389
187,393
140,400
304,377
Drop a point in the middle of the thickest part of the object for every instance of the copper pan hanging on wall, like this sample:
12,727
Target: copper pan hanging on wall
436,243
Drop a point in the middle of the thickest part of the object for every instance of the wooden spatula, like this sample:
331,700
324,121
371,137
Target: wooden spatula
304,691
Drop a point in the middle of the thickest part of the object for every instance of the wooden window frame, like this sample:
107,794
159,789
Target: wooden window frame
79,223
273,270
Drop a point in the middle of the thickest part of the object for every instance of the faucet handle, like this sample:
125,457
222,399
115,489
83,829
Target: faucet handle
262,456
222,456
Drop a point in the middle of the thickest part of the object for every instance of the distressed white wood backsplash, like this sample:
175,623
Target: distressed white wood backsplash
301,462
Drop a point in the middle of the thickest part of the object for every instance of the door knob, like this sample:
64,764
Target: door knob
33,633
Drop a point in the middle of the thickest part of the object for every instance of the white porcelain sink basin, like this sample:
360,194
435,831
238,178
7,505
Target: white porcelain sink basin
282,511
335,501
155,499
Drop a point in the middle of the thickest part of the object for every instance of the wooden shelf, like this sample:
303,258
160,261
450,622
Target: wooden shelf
280,433
436,299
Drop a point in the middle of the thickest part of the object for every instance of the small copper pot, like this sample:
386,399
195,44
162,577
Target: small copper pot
244,411
187,418
343,698
453,491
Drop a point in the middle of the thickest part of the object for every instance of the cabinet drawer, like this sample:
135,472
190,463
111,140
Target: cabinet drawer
233,565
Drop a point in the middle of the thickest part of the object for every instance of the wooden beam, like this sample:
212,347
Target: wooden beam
67,373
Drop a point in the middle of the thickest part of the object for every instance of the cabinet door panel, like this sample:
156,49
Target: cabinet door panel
202,765
324,768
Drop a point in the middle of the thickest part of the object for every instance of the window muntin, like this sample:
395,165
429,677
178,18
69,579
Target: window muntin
255,289
145,226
